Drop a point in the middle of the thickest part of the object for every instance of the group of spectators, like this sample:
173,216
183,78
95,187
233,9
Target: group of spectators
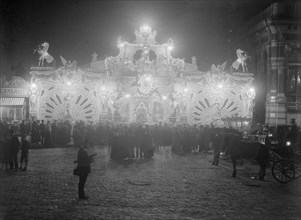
124,140
9,148
140,141
16,137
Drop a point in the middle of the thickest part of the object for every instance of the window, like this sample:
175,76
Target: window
293,84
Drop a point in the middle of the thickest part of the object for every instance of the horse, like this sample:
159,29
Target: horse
242,58
42,49
239,149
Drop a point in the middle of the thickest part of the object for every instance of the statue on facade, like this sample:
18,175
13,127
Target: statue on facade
33,97
242,58
194,61
94,57
42,50
218,69
145,36
68,64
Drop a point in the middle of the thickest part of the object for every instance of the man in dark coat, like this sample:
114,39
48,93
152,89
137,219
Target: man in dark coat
14,145
24,152
294,135
217,142
83,167
42,132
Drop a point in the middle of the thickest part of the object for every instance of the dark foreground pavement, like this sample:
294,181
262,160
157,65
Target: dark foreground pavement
168,186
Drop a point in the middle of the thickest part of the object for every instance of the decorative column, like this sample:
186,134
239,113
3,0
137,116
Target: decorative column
276,100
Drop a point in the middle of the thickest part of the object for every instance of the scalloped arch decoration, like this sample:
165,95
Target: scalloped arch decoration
57,103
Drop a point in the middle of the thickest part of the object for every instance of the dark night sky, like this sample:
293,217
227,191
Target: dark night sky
76,29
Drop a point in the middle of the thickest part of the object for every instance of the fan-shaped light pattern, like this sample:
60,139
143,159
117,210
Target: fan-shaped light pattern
78,104
209,105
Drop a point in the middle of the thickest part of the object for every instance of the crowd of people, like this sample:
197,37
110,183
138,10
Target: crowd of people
130,141
125,141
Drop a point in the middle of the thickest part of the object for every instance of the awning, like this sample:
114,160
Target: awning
11,101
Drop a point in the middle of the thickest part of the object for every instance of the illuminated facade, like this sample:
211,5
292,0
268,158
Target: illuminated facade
143,84
14,99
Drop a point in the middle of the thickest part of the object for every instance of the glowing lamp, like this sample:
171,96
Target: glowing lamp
252,89
273,98
170,47
145,29
164,97
33,85
246,123
220,85
127,96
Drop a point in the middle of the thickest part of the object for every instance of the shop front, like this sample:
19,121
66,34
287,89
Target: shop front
14,100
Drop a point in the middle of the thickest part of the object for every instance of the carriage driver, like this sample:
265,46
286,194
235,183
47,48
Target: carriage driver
294,136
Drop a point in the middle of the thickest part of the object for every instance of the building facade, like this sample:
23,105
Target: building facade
14,99
273,39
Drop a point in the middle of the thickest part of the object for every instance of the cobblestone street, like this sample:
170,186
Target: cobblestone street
168,186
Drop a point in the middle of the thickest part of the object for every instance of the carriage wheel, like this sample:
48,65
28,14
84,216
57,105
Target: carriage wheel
283,171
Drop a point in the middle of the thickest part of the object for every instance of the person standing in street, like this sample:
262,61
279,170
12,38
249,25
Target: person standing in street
14,145
24,153
83,168
42,132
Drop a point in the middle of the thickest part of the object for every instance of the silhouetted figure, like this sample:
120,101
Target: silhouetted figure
24,152
217,141
42,132
84,168
294,135
47,140
14,144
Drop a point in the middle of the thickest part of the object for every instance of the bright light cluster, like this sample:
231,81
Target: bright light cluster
145,29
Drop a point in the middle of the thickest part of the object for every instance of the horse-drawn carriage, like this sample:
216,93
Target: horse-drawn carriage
280,155
284,161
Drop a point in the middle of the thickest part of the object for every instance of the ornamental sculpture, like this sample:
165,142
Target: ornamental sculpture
142,84
42,50
242,58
